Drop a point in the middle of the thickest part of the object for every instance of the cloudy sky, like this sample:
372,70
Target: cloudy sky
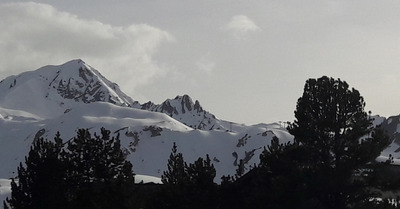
245,60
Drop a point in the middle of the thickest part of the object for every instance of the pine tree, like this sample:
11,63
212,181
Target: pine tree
90,173
201,188
175,180
175,174
41,181
97,170
201,173
333,127
188,185
280,176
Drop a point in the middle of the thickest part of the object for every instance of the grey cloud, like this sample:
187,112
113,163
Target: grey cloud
33,34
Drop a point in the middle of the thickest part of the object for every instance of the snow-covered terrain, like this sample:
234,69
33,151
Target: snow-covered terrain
392,127
74,95
5,189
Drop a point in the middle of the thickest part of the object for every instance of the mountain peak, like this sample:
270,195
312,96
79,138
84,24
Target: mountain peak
75,61
80,82
188,105
59,87
183,109
72,65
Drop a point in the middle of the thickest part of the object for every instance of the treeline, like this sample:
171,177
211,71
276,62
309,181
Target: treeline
85,172
329,165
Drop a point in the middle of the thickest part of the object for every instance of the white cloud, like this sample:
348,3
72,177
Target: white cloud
33,35
240,26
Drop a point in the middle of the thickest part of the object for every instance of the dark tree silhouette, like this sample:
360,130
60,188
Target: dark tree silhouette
188,185
337,133
97,170
201,173
201,187
40,182
90,173
175,173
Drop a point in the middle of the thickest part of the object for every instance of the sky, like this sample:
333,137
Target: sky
246,61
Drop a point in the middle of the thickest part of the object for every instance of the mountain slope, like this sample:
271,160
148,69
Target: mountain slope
147,138
67,97
52,90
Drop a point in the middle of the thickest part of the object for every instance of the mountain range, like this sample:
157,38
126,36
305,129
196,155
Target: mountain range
74,95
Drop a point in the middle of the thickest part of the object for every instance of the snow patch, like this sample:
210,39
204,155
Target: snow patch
147,179
5,189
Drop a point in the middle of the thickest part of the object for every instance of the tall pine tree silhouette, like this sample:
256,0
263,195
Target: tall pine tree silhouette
337,133
91,172
95,166
40,182
175,173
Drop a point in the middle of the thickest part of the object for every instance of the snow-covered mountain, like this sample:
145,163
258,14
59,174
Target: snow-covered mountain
52,90
74,95
190,113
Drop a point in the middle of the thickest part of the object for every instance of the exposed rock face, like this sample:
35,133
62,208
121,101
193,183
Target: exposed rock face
85,84
392,128
183,109
155,131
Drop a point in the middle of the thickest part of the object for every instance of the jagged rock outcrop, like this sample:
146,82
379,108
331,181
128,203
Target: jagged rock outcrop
183,109
84,84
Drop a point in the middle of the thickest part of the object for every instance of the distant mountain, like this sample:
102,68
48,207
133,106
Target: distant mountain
183,109
52,90
74,95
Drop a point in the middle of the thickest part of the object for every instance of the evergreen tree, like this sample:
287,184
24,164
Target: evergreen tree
175,180
281,177
201,173
40,182
333,127
175,175
90,173
188,185
201,189
96,165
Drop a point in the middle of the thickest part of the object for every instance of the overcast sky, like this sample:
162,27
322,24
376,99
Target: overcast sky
246,61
